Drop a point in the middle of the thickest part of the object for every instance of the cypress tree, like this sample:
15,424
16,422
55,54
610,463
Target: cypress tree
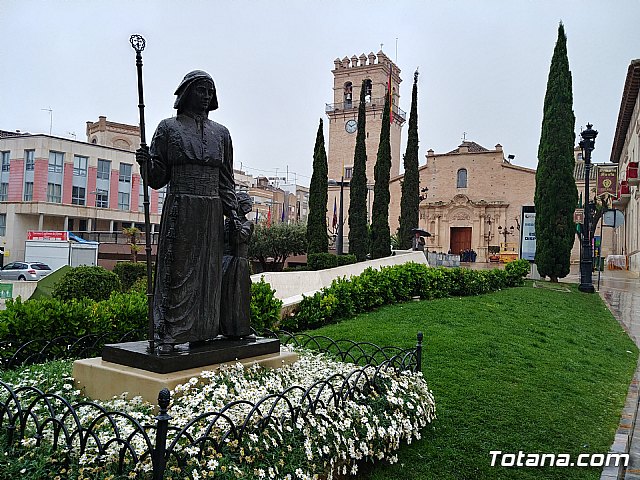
358,230
380,234
317,238
556,195
409,203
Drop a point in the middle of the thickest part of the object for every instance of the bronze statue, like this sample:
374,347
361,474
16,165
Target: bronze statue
235,312
193,156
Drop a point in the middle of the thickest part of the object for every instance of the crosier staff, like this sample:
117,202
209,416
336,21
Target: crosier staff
138,43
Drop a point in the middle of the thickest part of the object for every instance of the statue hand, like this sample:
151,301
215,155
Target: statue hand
142,155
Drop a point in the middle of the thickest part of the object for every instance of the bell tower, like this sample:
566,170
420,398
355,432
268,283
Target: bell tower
348,75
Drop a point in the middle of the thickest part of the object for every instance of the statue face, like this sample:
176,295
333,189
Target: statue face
246,205
199,96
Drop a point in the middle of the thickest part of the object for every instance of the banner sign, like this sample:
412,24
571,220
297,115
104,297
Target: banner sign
48,235
528,234
607,181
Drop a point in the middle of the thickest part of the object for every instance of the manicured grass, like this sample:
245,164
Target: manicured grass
528,369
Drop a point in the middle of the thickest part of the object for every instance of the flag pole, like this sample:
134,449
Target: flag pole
138,43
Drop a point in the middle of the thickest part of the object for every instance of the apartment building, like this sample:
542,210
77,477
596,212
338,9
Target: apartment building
53,183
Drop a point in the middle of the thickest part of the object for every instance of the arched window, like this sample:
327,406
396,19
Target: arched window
462,178
368,86
348,87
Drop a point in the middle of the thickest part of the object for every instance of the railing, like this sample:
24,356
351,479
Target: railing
27,412
115,237
373,103
64,347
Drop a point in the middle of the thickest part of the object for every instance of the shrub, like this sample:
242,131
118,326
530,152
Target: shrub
374,288
129,272
322,261
516,271
52,317
265,307
96,283
347,259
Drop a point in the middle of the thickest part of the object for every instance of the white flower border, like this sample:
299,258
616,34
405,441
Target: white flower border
368,427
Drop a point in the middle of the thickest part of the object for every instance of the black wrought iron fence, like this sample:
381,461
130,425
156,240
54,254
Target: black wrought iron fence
118,438
13,355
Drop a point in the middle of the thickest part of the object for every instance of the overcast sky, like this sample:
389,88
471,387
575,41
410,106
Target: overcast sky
483,67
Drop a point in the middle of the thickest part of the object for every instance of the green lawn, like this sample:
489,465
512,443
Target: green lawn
526,368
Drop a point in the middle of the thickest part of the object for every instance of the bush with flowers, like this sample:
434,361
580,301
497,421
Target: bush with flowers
325,418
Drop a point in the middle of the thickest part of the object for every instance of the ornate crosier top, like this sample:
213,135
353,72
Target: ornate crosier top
137,42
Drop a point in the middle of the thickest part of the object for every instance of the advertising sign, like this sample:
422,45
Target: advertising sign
607,181
528,233
48,235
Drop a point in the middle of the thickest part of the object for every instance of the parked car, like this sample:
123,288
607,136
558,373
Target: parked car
24,271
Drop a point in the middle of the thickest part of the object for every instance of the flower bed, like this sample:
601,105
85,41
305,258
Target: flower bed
313,419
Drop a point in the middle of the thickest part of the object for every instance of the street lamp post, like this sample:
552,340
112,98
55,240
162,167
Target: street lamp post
587,144
340,226
505,232
339,239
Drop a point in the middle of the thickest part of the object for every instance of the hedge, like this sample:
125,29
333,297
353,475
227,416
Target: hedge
96,283
121,312
129,272
374,288
321,261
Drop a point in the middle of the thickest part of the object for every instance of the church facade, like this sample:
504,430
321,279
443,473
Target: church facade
472,201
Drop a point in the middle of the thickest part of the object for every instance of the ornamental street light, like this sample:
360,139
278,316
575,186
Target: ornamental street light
504,231
587,144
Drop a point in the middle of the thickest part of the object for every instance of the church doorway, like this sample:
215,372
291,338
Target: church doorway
460,239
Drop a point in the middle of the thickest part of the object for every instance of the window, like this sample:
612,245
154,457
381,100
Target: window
54,193
82,227
348,172
80,166
141,198
4,191
161,196
462,178
55,161
123,201
77,195
368,86
102,198
125,173
348,88
5,161
28,191
29,156
104,169
3,224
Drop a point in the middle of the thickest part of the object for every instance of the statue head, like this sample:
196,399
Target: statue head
192,80
244,202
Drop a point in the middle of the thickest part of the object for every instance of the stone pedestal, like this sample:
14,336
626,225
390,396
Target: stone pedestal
102,380
185,356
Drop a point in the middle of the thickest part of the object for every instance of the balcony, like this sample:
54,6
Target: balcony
374,104
623,194
632,174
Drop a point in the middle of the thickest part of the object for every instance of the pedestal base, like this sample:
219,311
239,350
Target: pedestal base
183,357
102,380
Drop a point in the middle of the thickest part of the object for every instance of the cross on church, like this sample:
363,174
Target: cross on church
464,136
